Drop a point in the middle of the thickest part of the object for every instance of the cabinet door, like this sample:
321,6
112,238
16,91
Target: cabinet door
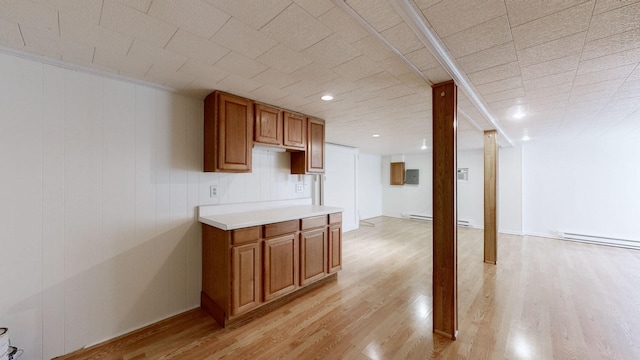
245,278
295,131
397,173
268,125
313,255
228,133
335,248
280,266
315,146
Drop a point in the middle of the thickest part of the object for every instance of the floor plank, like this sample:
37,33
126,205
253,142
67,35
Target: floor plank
545,299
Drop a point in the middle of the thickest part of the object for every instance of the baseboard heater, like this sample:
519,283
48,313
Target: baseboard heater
601,240
464,223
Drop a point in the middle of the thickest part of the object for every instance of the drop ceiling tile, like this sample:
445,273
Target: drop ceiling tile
196,47
379,14
268,94
610,61
604,75
499,72
284,59
199,17
500,85
590,96
119,63
480,37
80,24
315,7
614,22
422,59
131,22
243,39
467,14
332,51
380,80
295,28
563,47
240,65
609,86
504,95
402,38
208,73
141,5
252,12
293,102
343,25
612,44
238,85
357,68
396,66
608,5
629,90
552,27
437,74
148,54
521,12
10,34
46,43
30,14
551,67
304,89
275,78
315,73
373,49
495,56
550,81
160,75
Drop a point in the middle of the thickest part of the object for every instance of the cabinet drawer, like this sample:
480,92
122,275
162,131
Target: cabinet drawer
245,235
281,228
335,218
312,222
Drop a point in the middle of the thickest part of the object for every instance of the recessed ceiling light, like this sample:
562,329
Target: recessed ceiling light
519,115
327,97
526,138
376,135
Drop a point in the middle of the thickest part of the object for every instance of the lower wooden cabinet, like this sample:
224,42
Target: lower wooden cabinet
245,278
313,255
244,269
335,248
280,266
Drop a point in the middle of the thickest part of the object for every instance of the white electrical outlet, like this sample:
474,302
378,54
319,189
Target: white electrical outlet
213,191
298,188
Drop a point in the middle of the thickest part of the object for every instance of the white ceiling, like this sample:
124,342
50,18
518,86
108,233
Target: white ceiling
571,65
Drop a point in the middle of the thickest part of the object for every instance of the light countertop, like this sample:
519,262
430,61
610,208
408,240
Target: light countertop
261,217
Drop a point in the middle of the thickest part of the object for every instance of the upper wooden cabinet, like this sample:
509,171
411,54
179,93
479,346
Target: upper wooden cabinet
295,128
268,125
310,161
228,133
397,173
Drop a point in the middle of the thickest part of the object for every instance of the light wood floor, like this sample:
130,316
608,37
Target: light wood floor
546,299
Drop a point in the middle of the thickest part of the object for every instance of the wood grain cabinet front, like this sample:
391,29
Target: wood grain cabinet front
268,125
245,278
313,255
311,161
295,131
228,133
280,266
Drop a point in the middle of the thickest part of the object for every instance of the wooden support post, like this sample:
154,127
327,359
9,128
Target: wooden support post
445,213
490,197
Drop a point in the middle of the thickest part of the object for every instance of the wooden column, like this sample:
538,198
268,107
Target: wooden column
445,213
490,197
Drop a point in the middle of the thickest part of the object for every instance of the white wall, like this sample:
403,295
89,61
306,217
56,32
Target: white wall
588,188
408,199
100,183
369,186
510,190
340,182
471,193
417,199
